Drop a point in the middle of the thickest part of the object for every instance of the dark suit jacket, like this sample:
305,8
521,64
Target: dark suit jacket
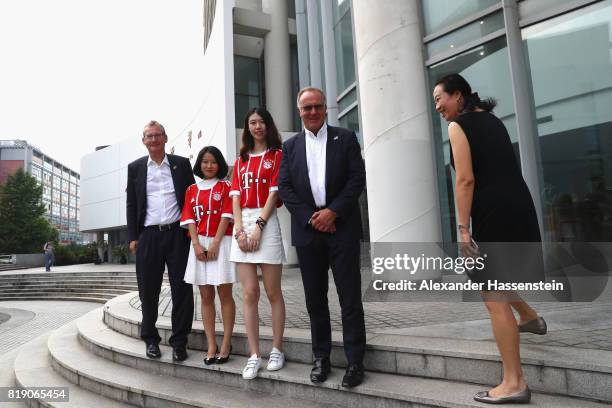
136,190
344,182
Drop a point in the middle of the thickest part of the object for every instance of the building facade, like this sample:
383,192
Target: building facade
548,63
61,185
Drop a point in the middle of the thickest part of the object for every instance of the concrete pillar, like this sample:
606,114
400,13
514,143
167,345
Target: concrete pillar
313,44
525,112
301,27
329,56
396,124
277,60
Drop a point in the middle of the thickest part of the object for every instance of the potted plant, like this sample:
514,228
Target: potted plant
121,252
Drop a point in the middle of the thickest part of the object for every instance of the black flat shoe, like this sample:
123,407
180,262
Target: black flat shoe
353,376
153,351
535,326
320,371
179,354
521,397
224,359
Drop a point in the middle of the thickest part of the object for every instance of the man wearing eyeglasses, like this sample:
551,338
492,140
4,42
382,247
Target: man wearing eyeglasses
321,177
156,186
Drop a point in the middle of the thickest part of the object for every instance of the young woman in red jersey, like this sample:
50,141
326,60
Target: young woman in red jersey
257,232
207,214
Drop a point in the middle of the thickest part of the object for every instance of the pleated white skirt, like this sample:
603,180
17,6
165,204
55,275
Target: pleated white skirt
270,250
215,272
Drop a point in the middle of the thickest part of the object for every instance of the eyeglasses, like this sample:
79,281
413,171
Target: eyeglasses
152,136
308,108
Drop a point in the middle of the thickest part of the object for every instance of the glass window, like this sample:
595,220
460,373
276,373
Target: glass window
56,196
487,70
247,86
57,182
46,178
343,37
465,34
439,14
572,95
347,100
37,172
351,121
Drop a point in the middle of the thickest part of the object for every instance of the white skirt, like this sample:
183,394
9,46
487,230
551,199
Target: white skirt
270,250
215,272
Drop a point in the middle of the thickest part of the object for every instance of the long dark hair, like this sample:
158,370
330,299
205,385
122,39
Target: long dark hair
454,82
273,138
197,167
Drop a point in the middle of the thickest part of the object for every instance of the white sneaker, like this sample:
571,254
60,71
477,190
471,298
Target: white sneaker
252,367
276,361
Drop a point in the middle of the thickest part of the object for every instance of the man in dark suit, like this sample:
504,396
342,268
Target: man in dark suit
156,187
321,177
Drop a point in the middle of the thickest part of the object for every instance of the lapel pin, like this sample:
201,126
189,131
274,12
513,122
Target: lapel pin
335,137
174,168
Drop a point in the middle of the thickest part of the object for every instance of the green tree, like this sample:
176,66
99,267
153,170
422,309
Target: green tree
23,226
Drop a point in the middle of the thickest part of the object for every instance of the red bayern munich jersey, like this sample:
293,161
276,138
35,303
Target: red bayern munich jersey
256,178
206,207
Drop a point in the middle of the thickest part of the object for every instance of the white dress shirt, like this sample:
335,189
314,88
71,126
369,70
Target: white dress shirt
162,207
316,149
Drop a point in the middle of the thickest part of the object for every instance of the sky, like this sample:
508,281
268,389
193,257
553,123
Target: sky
76,74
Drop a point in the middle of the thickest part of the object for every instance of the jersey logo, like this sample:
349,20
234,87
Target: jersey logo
192,200
198,210
268,164
247,179
217,196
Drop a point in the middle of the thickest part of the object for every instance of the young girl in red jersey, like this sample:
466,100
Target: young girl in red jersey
207,214
257,232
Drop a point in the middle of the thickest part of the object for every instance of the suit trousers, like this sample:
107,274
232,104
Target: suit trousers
155,250
315,260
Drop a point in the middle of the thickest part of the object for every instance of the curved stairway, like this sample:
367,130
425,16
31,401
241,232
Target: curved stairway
76,286
101,359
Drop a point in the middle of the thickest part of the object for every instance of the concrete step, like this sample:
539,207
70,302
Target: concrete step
90,289
84,293
7,377
76,298
555,370
71,283
378,389
140,387
63,275
6,267
32,368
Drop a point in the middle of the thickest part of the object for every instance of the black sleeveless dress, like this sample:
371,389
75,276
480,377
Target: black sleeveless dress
504,220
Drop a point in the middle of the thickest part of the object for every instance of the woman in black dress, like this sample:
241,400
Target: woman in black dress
491,193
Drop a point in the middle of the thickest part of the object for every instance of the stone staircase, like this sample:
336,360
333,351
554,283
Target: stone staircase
102,360
77,286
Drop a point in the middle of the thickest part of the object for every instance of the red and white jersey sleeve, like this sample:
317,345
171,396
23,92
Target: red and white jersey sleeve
256,178
206,207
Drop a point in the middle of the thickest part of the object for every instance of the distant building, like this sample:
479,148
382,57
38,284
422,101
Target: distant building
61,185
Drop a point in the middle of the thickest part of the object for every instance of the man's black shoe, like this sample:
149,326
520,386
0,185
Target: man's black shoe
179,354
353,375
153,351
320,371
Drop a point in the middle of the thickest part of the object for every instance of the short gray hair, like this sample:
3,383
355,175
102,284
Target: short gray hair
151,124
310,89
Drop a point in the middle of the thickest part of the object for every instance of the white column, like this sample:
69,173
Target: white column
313,44
394,100
301,27
277,62
329,56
